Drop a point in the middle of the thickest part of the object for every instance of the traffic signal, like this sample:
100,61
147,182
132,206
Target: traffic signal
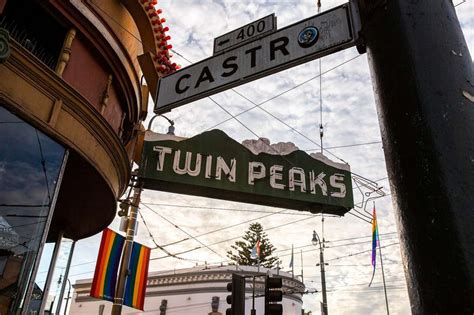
273,294
237,299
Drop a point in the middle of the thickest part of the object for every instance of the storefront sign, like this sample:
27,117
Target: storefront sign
214,165
306,40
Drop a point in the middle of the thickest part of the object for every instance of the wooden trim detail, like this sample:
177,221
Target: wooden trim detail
65,52
105,97
53,118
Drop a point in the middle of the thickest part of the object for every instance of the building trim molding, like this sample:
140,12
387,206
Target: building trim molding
210,280
44,99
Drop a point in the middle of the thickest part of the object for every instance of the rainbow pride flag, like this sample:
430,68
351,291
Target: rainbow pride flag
375,237
135,286
108,261
375,242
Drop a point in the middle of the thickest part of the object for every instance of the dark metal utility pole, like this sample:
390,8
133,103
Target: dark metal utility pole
423,81
316,240
127,250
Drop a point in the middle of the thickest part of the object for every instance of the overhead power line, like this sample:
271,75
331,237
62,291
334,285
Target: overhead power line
237,237
333,246
228,227
362,252
162,247
346,146
291,212
179,228
281,93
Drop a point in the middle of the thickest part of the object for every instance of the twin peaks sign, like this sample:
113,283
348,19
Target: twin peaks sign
214,165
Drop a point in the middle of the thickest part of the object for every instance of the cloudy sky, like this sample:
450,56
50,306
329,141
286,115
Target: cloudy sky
349,117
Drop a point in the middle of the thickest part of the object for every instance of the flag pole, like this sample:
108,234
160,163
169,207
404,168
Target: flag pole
302,279
377,235
253,311
383,278
292,262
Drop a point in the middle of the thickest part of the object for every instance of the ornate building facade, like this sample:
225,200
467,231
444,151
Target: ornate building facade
197,291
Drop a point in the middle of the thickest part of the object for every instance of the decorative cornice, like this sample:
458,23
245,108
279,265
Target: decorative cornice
4,45
211,281
211,276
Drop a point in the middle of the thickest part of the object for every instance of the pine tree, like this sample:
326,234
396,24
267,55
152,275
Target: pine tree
244,248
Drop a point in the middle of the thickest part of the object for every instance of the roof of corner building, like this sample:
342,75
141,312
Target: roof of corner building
201,270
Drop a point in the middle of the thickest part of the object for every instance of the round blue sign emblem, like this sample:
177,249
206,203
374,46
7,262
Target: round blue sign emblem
308,36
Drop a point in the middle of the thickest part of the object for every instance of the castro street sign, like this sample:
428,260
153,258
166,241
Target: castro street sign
306,40
214,165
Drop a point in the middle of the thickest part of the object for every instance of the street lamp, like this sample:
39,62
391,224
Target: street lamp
316,240
170,127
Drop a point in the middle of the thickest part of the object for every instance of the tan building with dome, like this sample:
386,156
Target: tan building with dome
197,291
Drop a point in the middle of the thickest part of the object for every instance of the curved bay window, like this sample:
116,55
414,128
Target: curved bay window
31,166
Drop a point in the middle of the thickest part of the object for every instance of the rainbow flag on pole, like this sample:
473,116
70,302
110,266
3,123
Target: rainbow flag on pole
375,242
108,261
135,286
375,237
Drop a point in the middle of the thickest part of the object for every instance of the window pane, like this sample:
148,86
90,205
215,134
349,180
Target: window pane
30,163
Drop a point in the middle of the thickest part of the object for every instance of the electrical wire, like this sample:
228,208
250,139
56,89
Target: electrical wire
362,252
162,247
346,146
43,165
329,247
238,237
335,246
336,241
298,213
176,226
281,93
226,227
